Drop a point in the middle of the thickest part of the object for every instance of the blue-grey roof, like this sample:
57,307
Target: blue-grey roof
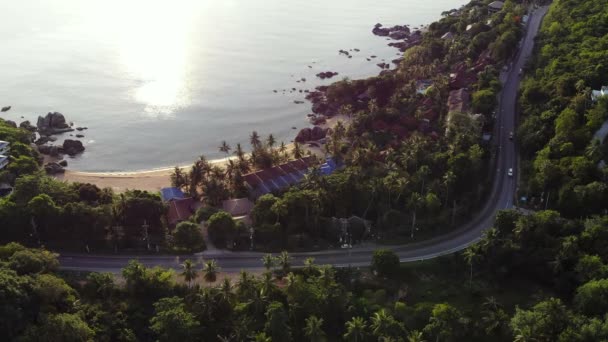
168,194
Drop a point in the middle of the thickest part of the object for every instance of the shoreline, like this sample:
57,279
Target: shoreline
155,179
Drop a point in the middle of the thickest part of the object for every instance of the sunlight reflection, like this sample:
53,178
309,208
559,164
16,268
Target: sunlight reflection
153,47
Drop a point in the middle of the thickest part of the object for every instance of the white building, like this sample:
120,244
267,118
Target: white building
596,94
3,161
5,148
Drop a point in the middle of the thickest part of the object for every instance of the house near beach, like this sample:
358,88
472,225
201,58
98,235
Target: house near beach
596,94
3,161
180,207
5,148
283,176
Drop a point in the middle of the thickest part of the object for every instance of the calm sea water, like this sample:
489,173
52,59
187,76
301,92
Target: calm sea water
160,82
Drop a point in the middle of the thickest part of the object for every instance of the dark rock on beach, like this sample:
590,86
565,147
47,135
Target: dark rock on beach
63,163
11,123
53,168
6,109
72,147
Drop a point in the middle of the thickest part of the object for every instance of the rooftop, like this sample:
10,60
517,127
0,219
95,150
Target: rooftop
237,206
180,210
168,194
497,5
459,101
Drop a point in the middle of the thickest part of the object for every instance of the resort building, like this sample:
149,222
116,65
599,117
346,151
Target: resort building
239,209
180,206
5,147
495,6
282,176
596,94
3,161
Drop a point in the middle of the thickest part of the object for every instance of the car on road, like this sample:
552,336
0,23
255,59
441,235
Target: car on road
511,135
510,172
520,71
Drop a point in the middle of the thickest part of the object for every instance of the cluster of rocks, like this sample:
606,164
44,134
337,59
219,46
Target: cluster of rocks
55,168
69,147
326,74
53,123
395,32
311,134
414,39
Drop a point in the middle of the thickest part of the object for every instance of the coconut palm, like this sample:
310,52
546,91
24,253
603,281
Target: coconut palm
356,330
254,140
383,324
423,173
271,141
415,336
178,178
309,266
471,256
448,180
314,329
284,260
210,271
268,260
414,203
189,273
297,150
224,147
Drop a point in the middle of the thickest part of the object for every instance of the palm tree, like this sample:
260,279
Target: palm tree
210,270
470,255
178,178
284,260
309,266
268,260
262,337
423,172
356,330
189,272
448,180
254,140
414,203
297,150
270,141
382,323
245,284
282,147
415,336
239,153
224,147
314,329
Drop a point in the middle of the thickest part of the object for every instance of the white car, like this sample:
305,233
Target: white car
510,172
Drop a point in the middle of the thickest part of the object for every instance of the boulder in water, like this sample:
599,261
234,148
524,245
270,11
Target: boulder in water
53,123
72,147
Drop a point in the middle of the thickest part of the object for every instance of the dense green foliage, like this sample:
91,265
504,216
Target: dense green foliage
561,156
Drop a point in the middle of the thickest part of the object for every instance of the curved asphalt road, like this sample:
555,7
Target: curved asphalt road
501,197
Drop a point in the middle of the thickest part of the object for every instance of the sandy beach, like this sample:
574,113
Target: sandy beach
154,180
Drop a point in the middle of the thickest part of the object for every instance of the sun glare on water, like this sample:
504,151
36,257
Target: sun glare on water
152,39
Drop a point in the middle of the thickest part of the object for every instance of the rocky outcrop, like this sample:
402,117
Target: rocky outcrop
53,168
53,123
44,139
308,134
6,109
50,150
395,32
11,123
28,126
326,74
72,147
63,163
303,135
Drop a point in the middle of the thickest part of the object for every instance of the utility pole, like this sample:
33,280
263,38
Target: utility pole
145,226
115,236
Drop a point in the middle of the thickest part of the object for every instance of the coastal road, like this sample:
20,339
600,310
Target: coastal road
501,197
